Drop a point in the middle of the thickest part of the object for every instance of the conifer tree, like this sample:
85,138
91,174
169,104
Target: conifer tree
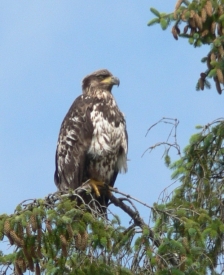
185,235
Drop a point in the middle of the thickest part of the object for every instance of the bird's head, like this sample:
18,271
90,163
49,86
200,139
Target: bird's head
100,80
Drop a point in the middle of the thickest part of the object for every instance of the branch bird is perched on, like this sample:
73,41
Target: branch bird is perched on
92,143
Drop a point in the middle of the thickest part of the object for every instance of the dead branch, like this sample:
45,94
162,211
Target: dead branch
173,133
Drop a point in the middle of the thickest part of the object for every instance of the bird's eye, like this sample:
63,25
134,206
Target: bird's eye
101,77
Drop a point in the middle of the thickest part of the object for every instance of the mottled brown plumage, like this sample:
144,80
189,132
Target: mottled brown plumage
92,142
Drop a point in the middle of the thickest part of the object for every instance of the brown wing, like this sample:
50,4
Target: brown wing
73,143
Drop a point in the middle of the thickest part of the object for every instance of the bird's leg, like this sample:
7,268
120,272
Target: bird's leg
96,185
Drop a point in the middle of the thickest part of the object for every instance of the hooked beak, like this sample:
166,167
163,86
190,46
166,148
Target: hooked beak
111,80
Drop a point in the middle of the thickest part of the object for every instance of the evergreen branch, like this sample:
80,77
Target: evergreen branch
138,221
208,126
135,217
203,25
186,2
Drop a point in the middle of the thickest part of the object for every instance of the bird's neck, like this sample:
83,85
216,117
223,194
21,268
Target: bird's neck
100,93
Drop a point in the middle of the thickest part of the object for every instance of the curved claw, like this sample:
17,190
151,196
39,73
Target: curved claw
95,185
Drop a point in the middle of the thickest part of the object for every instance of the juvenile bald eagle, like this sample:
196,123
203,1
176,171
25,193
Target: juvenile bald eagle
92,143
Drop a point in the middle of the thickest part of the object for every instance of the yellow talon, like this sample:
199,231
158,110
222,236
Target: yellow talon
95,185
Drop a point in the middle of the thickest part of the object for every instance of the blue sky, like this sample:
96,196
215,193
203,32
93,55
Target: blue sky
47,47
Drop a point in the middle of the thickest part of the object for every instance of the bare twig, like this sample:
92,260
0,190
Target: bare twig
173,132
115,190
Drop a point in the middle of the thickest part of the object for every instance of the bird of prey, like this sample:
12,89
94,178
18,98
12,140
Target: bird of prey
93,142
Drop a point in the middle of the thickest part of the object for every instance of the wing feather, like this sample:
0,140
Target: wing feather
73,142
